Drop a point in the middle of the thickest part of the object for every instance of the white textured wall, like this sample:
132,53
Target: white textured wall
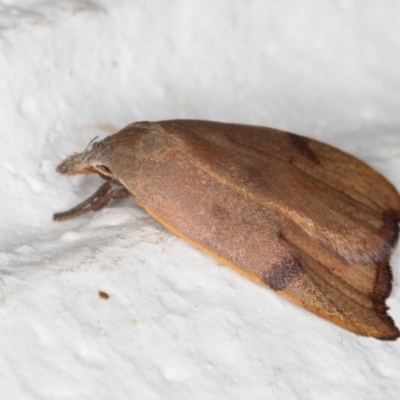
178,325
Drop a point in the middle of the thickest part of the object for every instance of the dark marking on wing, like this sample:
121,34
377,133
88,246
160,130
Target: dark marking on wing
281,235
254,174
303,145
282,274
391,224
382,287
219,212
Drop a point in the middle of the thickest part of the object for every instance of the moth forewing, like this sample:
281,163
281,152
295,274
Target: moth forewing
313,223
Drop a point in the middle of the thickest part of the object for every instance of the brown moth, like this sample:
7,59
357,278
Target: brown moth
311,222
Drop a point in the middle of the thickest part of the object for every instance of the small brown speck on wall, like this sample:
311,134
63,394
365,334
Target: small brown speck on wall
311,222
103,295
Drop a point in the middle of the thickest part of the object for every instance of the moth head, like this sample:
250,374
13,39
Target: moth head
96,158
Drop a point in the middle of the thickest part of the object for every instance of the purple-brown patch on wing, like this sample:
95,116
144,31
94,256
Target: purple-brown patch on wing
280,275
303,145
254,174
219,212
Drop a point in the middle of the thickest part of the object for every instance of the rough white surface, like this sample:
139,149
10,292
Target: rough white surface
177,325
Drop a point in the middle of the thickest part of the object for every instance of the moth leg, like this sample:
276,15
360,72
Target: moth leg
117,194
95,202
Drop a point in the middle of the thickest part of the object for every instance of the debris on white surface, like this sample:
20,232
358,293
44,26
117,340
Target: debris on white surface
176,323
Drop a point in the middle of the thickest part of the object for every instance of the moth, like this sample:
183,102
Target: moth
313,223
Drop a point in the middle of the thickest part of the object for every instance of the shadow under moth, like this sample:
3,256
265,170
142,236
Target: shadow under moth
311,222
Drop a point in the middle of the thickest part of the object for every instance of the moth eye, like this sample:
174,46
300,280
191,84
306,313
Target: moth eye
104,170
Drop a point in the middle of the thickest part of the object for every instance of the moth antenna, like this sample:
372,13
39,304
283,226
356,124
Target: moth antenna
90,149
90,143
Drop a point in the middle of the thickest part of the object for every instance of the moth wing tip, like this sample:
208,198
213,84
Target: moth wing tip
392,336
386,329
